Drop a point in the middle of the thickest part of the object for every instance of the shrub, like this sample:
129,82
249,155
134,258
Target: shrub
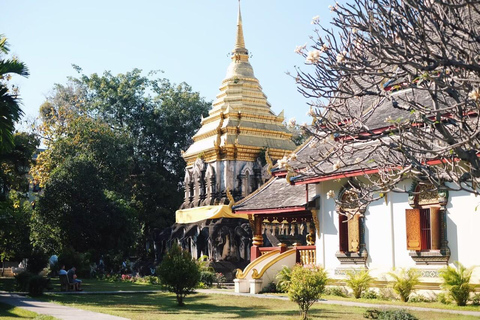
369,294
37,285
151,279
269,288
179,273
283,279
371,314
37,261
405,281
220,279
22,280
69,257
457,282
419,298
358,281
476,299
336,291
306,287
31,283
207,278
443,298
388,314
396,315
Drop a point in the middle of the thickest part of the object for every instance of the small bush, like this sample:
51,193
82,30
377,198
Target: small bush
371,314
37,285
388,315
443,298
476,299
283,279
69,257
457,282
419,298
151,279
405,281
22,281
358,281
220,279
269,288
31,283
369,294
179,273
306,287
336,291
396,315
207,277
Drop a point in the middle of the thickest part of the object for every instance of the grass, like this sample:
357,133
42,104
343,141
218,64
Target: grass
94,285
8,312
434,305
215,306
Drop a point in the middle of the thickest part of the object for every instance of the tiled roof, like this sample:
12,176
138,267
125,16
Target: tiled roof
277,193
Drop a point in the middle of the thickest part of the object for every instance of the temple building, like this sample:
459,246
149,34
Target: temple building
227,161
425,228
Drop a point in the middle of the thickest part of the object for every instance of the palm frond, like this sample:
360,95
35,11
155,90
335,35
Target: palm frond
13,66
10,113
3,44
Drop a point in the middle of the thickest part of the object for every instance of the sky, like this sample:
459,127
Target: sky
188,40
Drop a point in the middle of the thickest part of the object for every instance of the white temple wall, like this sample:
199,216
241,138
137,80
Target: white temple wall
385,233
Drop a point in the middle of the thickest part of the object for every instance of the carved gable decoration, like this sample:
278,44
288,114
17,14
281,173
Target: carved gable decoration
427,194
349,201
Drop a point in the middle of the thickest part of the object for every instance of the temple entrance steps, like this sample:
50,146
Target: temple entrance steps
263,270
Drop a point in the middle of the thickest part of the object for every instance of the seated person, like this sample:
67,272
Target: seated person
62,271
72,278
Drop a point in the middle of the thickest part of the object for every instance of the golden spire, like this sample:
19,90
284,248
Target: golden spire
240,41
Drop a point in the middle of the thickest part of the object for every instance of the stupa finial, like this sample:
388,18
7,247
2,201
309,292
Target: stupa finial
240,41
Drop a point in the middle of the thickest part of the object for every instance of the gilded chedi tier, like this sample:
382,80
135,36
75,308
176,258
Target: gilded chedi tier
241,122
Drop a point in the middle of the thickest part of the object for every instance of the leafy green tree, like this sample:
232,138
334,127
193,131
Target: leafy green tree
15,163
15,208
405,282
79,209
132,129
10,111
160,118
179,273
306,287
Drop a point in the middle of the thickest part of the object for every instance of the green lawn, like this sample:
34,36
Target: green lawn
212,306
94,285
8,312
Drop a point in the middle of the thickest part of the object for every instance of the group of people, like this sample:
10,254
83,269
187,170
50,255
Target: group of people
72,277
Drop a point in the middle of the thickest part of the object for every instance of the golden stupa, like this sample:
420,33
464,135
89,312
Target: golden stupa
241,122
222,162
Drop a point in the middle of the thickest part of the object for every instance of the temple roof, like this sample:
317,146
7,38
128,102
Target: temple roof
276,194
241,122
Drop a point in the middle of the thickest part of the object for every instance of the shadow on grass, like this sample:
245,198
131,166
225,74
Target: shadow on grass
198,305
6,311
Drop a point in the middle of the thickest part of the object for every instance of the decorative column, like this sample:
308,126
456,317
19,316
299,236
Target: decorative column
257,238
